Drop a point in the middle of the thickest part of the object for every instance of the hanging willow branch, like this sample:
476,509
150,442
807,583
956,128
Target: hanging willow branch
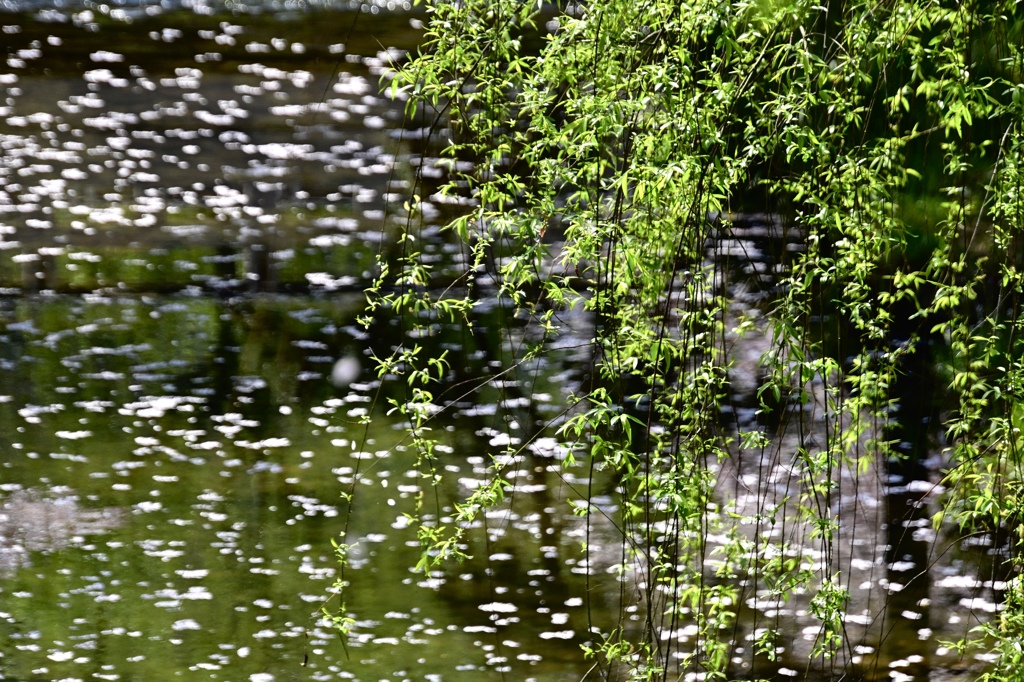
808,214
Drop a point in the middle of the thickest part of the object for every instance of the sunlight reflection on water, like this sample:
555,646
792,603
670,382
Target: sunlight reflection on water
191,205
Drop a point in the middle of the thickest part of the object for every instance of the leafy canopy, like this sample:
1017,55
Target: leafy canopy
607,157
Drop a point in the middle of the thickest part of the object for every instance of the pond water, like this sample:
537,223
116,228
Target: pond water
172,474
191,201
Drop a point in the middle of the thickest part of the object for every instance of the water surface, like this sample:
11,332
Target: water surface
191,202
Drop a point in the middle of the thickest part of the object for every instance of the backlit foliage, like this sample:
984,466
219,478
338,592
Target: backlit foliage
606,154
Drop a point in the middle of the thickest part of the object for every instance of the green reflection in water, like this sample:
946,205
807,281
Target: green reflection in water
185,459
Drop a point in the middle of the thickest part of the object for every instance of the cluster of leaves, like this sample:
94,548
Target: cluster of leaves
601,148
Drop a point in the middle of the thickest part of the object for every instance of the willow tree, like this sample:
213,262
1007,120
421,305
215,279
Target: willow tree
612,156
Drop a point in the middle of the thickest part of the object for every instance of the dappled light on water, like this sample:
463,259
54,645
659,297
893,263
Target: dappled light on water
192,201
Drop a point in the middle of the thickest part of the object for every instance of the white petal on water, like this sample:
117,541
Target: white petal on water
979,604
185,624
560,634
858,618
957,581
106,56
73,435
265,443
498,607
193,574
197,592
